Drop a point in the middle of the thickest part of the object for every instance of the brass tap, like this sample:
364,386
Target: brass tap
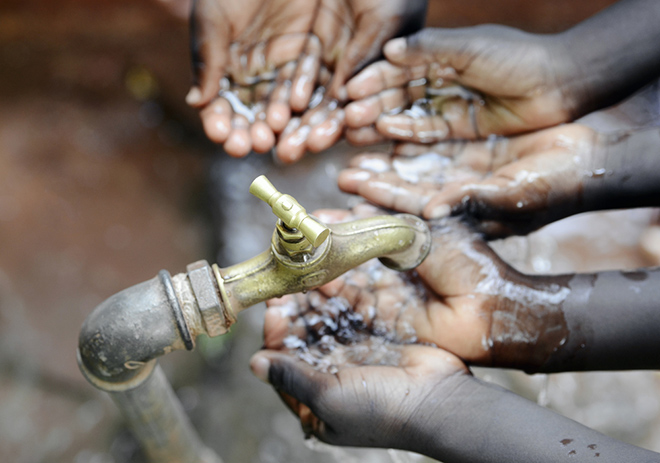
305,254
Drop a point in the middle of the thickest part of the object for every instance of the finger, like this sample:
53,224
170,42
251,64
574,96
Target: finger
333,215
209,42
293,142
278,323
367,111
278,112
304,79
289,375
381,76
402,127
372,161
263,138
385,189
239,142
364,136
264,58
327,133
364,46
448,47
216,119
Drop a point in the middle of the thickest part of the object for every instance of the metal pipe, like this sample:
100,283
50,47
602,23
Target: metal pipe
118,346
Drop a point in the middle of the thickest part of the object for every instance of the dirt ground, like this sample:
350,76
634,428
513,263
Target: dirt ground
106,178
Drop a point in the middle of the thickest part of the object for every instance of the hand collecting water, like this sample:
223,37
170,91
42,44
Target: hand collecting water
267,58
514,185
348,361
463,298
508,185
474,82
464,83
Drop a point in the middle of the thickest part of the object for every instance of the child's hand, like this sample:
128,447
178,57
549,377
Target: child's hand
280,57
462,298
508,185
464,83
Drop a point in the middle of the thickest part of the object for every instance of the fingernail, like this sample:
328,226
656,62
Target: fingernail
440,211
194,96
260,366
395,47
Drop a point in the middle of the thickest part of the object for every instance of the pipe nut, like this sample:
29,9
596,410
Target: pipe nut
201,280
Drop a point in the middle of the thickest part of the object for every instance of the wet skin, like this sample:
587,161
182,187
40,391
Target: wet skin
514,185
479,81
364,379
287,61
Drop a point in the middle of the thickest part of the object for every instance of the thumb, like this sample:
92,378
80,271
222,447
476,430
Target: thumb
289,375
452,48
209,49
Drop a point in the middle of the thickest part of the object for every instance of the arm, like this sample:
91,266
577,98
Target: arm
485,423
613,321
625,171
614,52
494,80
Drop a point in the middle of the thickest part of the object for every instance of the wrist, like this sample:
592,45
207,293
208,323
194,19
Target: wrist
527,321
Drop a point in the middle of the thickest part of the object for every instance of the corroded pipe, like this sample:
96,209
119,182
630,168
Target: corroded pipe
122,338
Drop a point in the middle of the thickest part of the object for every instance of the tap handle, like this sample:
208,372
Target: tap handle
289,211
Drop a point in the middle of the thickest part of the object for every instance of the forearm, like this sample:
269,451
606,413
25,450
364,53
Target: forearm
477,421
625,171
612,321
613,53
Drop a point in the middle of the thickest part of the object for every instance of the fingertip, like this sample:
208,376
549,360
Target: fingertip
239,143
349,180
262,136
194,96
437,211
364,84
216,126
301,92
325,134
260,366
364,136
359,114
292,147
278,116
395,49
398,127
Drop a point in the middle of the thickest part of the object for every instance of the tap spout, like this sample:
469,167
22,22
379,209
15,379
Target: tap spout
400,241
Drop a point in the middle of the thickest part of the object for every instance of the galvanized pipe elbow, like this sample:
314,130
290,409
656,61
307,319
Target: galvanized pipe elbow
127,331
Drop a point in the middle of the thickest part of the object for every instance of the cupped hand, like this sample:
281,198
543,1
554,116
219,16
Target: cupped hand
464,83
347,385
462,298
280,57
506,185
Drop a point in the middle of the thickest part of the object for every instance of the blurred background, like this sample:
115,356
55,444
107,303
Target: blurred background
106,177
